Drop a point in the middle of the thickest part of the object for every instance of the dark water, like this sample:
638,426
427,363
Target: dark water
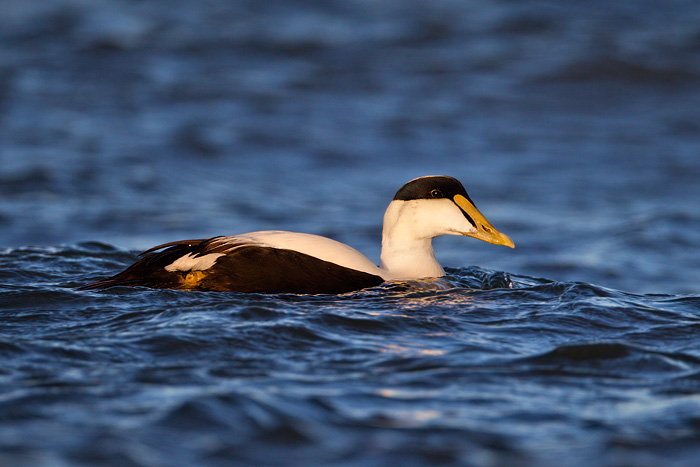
574,126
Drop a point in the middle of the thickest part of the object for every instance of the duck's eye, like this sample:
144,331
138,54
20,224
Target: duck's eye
436,194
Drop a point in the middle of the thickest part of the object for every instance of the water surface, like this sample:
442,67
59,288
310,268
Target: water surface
574,127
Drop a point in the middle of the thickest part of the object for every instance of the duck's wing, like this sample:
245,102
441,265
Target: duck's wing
238,264
151,269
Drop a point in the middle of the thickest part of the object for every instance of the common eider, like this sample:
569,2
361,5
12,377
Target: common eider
288,262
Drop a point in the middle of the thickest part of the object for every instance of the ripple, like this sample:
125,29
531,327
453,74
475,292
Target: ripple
232,375
614,360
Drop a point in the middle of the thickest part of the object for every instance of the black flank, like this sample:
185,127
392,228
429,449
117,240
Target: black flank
245,269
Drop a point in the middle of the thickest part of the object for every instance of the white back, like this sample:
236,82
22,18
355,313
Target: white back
312,245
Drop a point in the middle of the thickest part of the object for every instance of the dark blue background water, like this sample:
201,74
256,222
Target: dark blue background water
574,126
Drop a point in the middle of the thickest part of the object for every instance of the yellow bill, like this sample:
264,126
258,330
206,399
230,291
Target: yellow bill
484,230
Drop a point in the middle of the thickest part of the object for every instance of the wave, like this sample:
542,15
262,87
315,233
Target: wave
494,357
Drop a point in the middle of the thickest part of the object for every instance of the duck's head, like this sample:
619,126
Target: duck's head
431,206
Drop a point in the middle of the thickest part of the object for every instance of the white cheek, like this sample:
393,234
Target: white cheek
455,222
441,217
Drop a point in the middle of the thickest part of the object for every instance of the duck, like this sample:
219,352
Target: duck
275,261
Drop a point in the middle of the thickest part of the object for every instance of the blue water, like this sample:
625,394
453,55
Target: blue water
573,125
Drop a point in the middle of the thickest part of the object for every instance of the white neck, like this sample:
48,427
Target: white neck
407,250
